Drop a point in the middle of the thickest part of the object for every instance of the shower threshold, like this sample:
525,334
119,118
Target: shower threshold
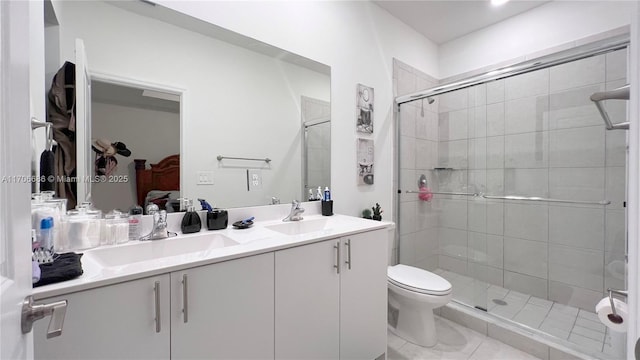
566,326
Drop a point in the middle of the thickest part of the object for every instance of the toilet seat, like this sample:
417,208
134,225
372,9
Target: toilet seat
418,280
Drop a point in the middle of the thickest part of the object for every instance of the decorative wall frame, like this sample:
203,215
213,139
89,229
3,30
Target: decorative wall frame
364,109
364,166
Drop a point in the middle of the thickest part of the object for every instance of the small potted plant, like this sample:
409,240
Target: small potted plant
366,213
377,212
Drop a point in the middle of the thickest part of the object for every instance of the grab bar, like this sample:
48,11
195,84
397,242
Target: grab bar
621,93
512,197
220,158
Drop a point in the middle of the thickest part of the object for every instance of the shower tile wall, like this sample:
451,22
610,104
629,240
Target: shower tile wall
418,150
536,134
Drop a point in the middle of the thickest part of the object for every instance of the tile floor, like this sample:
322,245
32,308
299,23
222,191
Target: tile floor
454,342
565,322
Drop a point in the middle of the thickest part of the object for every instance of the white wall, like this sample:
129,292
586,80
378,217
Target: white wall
149,134
358,40
553,24
237,102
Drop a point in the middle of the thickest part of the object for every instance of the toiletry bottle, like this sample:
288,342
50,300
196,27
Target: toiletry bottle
46,234
135,219
311,198
319,193
191,221
327,194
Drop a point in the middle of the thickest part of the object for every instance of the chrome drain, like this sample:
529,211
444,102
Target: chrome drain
499,302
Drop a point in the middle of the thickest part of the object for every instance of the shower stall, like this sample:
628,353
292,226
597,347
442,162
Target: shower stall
527,215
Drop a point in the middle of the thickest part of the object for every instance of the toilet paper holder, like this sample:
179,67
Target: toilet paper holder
614,317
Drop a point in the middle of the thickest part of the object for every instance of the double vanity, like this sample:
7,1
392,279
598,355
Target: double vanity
314,288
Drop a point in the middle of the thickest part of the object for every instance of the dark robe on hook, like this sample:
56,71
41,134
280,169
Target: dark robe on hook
61,112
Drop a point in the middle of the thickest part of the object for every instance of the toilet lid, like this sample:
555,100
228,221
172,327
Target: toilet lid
418,280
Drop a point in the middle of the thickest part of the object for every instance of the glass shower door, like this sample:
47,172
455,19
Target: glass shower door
434,233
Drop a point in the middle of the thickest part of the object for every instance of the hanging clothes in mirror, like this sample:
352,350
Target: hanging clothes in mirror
106,162
61,101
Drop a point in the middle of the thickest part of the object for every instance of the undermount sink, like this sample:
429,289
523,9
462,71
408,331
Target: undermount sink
299,227
159,249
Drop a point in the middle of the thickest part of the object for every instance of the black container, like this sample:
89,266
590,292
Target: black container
191,223
327,208
217,219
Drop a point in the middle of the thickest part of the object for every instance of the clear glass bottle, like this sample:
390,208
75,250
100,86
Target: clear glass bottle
135,222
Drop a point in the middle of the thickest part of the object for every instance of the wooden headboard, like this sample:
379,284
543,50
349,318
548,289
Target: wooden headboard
164,175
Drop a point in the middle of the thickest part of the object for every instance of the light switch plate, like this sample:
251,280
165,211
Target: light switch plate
205,177
254,179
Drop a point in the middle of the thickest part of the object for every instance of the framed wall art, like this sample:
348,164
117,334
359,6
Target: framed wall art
365,161
364,109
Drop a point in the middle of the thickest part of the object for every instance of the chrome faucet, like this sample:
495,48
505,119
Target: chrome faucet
159,230
296,210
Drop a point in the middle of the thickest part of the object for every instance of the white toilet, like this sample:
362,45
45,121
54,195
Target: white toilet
415,293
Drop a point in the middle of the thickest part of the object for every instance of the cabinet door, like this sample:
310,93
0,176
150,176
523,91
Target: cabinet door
363,296
307,302
111,322
229,310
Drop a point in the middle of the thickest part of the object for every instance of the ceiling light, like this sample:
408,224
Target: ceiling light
498,2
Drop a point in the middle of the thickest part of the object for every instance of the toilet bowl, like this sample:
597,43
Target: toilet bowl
415,293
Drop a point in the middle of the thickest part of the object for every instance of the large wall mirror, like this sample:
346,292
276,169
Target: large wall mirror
166,84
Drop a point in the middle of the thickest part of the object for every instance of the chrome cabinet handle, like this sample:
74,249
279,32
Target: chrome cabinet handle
185,299
348,245
31,313
337,265
156,290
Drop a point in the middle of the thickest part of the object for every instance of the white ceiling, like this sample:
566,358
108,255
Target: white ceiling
445,20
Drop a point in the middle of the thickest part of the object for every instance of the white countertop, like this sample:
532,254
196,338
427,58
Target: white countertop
255,240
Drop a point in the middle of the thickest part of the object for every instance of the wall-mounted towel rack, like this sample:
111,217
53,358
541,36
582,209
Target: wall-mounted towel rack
220,158
441,193
621,93
513,197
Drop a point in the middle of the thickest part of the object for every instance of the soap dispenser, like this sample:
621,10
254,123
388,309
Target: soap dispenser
191,221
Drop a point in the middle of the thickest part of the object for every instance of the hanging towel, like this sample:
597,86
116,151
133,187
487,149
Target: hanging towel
47,170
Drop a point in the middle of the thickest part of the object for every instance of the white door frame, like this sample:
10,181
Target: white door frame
15,170
633,230
147,85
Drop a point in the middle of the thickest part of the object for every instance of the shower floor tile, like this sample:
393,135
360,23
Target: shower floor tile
577,326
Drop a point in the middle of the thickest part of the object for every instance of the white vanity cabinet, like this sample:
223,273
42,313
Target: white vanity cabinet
363,296
112,322
331,299
224,310
323,300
